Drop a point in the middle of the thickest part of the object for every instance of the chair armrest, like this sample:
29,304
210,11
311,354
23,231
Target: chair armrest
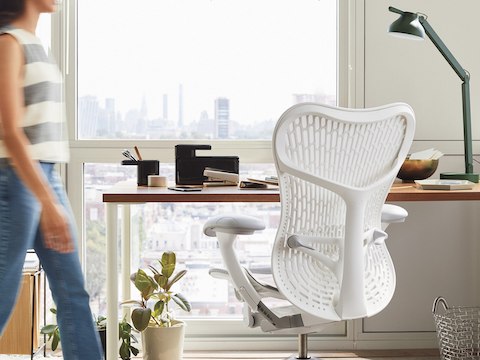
232,224
393,214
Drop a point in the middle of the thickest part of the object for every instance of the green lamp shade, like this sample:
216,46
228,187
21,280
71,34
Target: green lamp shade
407,26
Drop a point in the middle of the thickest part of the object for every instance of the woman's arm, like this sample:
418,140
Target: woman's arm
53,220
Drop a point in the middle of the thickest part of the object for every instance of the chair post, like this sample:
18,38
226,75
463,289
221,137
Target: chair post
303,346
303,349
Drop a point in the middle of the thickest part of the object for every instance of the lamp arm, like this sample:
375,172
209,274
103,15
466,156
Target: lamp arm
440,45
467,127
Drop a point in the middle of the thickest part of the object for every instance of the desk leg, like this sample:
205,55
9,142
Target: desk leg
112,281
126,258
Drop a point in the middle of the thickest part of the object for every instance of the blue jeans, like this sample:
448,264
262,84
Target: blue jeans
20,231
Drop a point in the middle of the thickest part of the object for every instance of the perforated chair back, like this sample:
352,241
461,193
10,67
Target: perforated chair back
335,168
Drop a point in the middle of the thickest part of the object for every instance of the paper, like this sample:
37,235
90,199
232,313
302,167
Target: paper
444,184
426,154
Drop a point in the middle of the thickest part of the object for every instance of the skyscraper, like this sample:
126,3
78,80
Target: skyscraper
222,117
180,105
165,107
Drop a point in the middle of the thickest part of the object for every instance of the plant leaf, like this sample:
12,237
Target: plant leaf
153,269
168,263
161,280
124,351
158,308
134,350
131,302
182,302
124,330
141,318
48,329
56,340
175,279
145,284
132,277
53,310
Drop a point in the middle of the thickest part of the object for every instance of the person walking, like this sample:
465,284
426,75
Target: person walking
34,209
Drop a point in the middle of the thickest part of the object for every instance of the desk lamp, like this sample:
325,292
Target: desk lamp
415,26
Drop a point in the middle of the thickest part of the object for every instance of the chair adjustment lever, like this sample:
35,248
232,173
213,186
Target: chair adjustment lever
376,236
294,242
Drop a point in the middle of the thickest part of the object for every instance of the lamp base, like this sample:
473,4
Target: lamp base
460,176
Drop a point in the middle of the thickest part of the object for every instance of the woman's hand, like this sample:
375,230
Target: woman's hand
55,228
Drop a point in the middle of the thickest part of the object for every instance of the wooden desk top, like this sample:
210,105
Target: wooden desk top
407,192
130,193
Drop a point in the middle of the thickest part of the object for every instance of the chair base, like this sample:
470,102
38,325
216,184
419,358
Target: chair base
294,357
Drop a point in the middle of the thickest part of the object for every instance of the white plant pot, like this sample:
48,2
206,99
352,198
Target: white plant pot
163,343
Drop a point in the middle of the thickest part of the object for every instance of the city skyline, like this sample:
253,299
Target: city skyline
97,120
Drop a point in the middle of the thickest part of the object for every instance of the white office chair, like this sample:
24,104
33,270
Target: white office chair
329,259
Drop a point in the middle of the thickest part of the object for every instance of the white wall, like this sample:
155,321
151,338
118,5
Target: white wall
416,72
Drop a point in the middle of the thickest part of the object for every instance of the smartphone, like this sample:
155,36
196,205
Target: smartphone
185,188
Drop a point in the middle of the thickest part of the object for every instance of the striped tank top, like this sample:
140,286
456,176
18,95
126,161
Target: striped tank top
44,117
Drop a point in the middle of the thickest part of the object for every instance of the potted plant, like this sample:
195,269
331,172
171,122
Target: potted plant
124,333
52,331
162,334
101,324
126,338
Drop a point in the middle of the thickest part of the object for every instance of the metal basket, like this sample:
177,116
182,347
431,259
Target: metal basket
458,331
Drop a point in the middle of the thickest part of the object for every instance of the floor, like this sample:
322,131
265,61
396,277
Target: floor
426,354
421,354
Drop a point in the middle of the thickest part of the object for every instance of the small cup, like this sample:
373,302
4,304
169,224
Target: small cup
145,168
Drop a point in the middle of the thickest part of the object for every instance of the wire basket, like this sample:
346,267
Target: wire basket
458,330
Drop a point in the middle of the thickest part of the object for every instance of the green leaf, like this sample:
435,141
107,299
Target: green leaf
141,318
175,279
134,350
154,270
56,340
182,302
124,330
48,329
53,310
158,308
161,280
145,284
168,263
132,302
124,351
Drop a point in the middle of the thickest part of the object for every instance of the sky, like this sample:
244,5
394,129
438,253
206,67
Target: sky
257,53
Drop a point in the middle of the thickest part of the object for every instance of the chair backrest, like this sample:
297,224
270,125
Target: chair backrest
335,168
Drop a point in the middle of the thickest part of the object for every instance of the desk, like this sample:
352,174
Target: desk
129,194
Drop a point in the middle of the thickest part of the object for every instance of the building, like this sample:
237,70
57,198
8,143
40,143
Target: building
222,117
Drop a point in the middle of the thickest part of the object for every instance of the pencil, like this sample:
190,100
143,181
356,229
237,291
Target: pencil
138,153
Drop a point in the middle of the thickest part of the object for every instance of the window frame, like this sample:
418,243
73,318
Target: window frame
349,94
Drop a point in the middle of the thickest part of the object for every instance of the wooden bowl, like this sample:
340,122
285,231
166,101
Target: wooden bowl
412,170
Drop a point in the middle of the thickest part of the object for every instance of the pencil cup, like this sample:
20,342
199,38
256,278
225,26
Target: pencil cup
145,168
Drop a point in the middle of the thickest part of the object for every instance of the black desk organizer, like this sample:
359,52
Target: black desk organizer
189,167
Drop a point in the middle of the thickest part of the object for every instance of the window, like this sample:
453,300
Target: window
200,69
156,73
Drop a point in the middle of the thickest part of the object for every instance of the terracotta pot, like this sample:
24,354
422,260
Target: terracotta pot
163,343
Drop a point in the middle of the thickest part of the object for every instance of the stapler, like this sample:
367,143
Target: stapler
217,177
